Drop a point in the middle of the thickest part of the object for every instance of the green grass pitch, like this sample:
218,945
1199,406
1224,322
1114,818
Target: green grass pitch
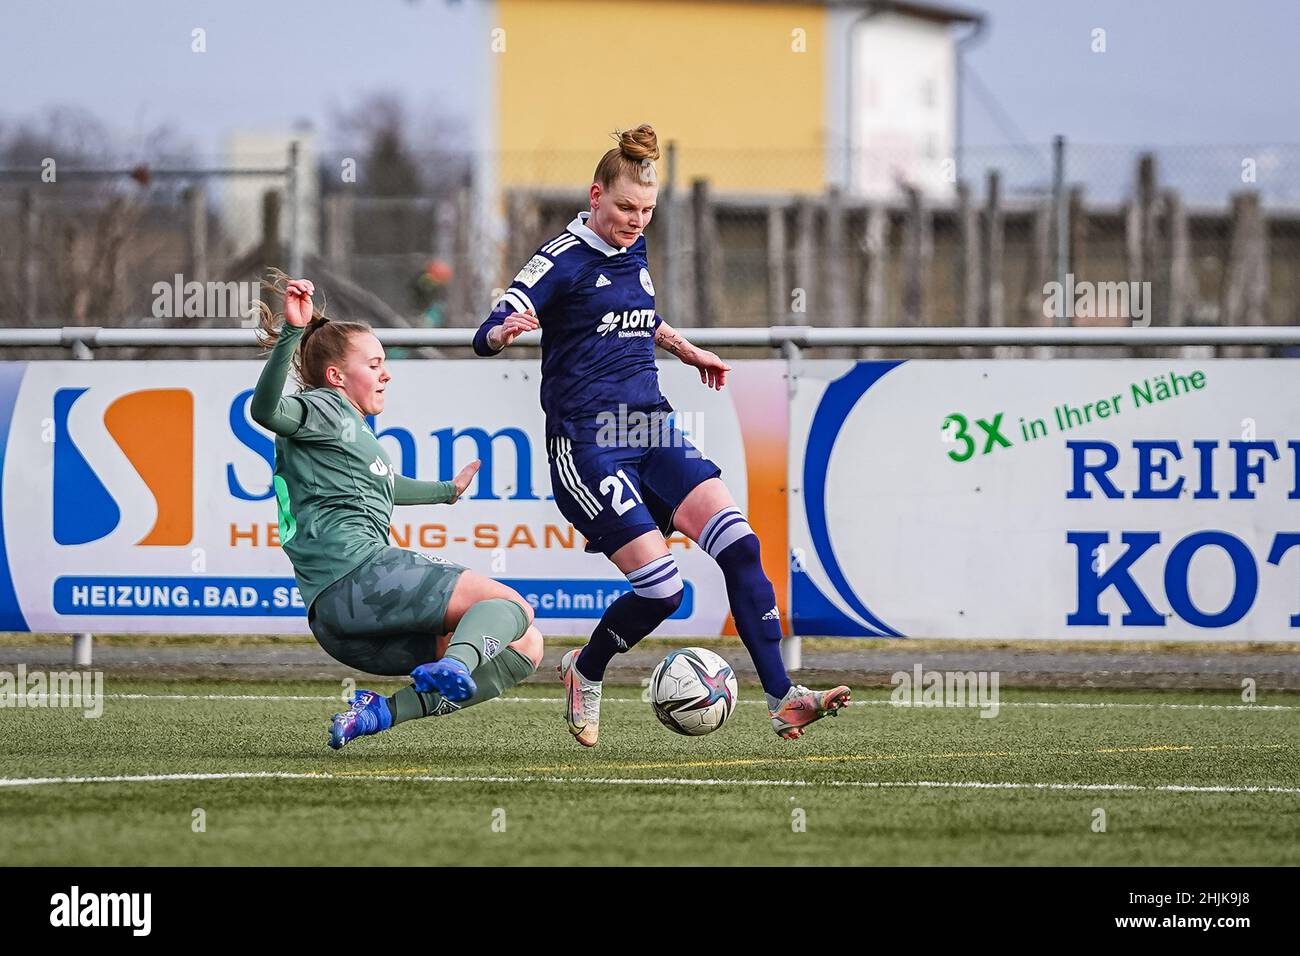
505,783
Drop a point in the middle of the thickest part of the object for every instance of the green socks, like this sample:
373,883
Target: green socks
485,630
481,642
493,677
498,675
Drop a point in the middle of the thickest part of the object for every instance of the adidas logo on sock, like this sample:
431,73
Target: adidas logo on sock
602,281
444,708
772,615
490,647
622,644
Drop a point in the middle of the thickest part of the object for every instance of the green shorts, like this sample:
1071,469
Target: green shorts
385,616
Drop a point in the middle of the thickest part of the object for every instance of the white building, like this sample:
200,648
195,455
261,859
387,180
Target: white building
241,205
893,96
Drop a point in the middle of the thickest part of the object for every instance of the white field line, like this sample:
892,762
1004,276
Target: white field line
646,782
1047,705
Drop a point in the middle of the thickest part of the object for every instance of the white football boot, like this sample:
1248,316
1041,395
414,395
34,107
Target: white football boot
581,700
801,706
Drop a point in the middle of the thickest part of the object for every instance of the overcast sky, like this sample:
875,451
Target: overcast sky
1174,71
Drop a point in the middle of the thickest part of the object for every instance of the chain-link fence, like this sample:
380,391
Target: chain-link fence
1193,235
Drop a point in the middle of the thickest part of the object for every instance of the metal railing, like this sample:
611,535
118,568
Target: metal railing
78,338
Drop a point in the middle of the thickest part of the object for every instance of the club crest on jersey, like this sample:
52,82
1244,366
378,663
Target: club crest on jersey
645,281
630,323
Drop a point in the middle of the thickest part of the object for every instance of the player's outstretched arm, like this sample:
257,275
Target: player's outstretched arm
408,491
713,371
270,408
501,330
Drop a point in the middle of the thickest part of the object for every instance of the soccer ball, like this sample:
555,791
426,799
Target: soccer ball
693,691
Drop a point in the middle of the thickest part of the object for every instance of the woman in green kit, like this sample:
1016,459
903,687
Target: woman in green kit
463,637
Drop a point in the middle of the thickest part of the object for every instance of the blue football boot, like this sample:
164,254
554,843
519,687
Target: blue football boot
367,715
449,677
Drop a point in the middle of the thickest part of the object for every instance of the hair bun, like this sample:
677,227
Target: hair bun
639,144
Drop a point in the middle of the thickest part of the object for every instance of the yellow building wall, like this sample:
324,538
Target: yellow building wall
721,79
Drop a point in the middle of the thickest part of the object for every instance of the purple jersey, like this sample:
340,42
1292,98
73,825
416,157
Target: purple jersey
596,307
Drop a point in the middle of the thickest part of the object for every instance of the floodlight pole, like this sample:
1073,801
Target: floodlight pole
295,226
1060,211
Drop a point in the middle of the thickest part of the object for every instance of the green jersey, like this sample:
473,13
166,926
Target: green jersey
334,483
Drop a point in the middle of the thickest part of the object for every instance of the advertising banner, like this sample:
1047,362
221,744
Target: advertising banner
1139,499
1149,500
137,496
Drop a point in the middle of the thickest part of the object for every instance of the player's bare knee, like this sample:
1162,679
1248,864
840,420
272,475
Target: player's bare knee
530,645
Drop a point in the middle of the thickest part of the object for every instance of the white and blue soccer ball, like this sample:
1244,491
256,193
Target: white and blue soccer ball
693,691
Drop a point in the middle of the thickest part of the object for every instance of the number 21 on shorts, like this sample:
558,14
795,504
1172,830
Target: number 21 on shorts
612,486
